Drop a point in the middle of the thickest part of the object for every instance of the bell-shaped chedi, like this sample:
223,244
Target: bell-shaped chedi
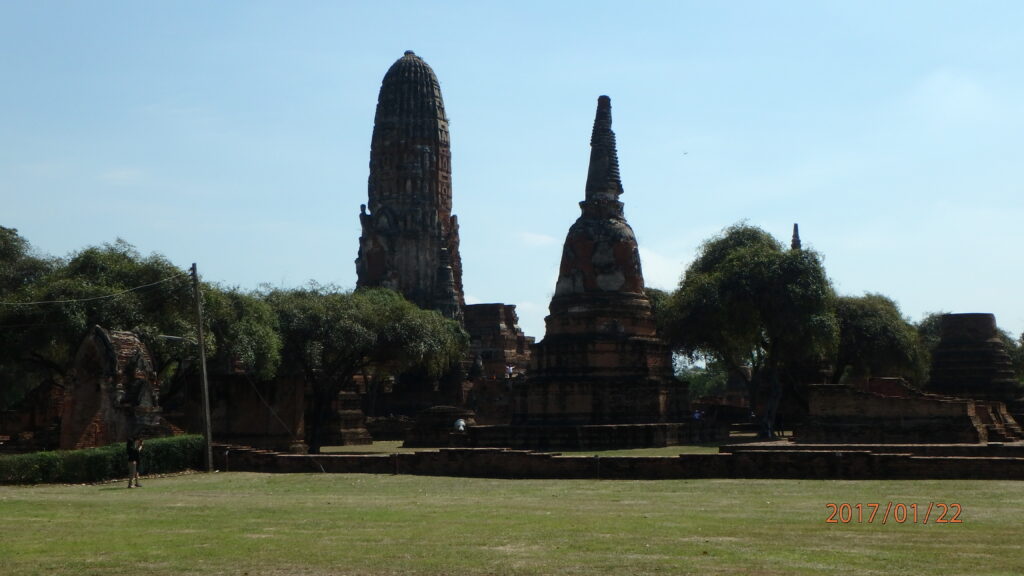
410,239
600,361
971,361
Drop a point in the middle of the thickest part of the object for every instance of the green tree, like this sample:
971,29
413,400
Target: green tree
20,266
244,331
45,318
330,336
241,335
876,340
747,302
709,380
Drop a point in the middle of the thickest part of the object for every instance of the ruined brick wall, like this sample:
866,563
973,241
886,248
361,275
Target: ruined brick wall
34,424
501,463
840,414
245,411
496,338
971,360
112,392
496,345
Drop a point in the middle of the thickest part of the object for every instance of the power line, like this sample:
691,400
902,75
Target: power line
96,297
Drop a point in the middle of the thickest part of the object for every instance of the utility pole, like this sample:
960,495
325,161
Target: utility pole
202,364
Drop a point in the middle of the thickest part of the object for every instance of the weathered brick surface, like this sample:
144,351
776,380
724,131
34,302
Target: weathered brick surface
600,361
897,413
245,411
855,464
971,361
112,392
410,238
497,344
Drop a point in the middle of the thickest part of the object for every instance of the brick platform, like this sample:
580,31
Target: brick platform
775,460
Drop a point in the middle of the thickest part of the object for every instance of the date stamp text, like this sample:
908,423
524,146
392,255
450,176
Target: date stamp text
897,512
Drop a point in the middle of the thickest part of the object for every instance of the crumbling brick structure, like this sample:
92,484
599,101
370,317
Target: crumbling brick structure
601,361
888,411
410,238
601,377
501,355
34,424
112,392
971,361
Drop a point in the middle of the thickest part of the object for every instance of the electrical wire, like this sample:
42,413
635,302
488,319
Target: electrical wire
269,407
96,297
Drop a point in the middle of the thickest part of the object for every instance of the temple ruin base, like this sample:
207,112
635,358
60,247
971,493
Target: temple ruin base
543,437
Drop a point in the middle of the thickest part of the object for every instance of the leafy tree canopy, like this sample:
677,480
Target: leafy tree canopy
48,310
745,301
19,265
333,335
243,332
876,340
329,336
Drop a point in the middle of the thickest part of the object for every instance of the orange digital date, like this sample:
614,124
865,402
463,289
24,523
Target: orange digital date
898,512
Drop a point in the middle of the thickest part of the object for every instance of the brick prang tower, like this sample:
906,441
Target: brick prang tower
410,239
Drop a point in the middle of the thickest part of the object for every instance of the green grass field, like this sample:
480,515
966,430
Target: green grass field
258,524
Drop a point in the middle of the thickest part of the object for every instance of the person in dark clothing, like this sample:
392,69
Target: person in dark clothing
134,450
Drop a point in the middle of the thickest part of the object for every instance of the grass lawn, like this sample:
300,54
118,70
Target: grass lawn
304,524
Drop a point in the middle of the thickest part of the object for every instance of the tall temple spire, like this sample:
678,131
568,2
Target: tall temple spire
794,244
601,361
410,239
600,252
603,179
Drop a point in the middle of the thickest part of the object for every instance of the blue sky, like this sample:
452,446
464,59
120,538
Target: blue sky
236,134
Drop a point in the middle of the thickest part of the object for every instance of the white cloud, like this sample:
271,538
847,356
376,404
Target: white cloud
660,271
537,240
949,97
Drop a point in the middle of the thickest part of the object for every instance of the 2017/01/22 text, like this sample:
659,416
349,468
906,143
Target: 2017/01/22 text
898,512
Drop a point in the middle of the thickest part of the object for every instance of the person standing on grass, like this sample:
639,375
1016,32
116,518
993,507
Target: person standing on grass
134,449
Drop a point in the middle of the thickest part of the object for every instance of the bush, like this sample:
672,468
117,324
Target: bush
160,455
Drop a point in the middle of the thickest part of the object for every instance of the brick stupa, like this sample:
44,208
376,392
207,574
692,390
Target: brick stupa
971,361
601,377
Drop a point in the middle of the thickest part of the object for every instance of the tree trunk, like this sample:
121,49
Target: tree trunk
771,405
319,410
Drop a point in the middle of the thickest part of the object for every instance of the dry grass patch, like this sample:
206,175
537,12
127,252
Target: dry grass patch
296,525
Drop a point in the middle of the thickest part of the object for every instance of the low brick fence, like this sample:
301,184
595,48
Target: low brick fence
747,463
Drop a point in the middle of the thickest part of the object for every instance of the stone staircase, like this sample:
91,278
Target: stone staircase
1000,425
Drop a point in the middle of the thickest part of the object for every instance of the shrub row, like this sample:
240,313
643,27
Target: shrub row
160,455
